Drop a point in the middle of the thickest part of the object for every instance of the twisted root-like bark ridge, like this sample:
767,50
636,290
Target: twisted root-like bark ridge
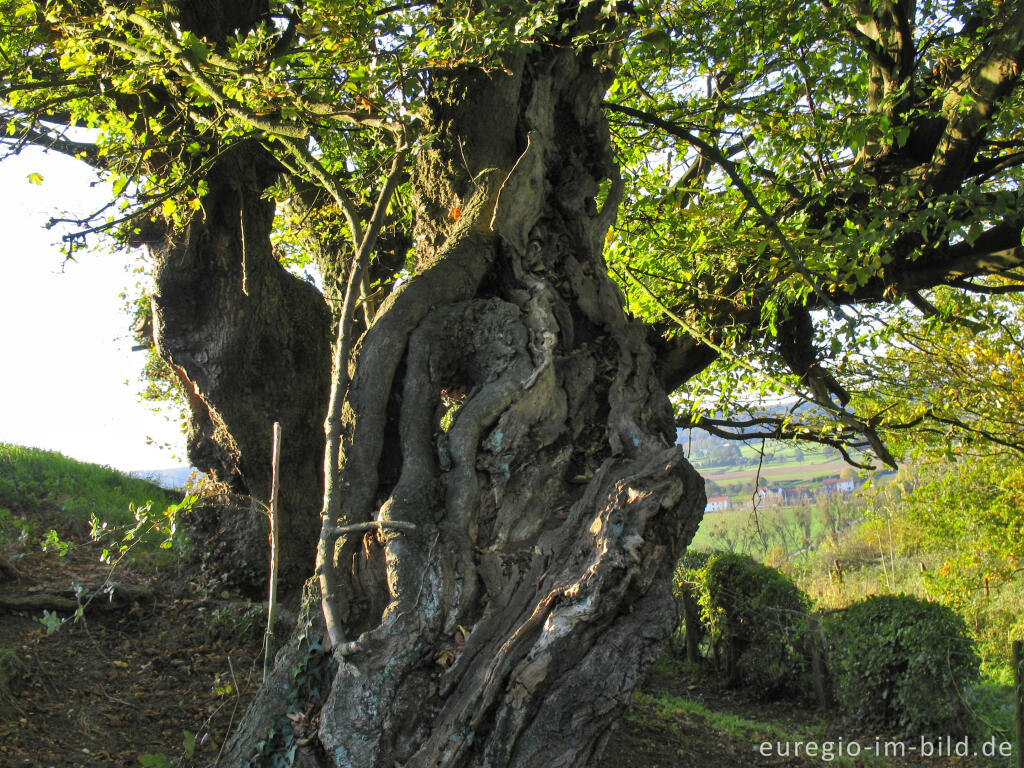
510,627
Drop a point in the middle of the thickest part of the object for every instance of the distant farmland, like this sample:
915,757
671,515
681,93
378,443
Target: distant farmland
776,473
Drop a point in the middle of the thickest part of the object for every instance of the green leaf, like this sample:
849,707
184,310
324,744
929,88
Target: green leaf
71,60
154,760
199,51
189,743
51,621
659,38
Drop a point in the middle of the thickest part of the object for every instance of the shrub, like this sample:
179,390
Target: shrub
227,541
901,662
757,620
688,574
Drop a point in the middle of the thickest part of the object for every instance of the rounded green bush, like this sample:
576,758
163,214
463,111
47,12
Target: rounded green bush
757,620
904,663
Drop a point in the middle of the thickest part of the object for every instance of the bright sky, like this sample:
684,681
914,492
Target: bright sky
68,378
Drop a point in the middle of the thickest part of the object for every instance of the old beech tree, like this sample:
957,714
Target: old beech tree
534,221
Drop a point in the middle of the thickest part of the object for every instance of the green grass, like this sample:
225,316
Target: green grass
666,706
34,481
775,535
784,457
663,710
992,706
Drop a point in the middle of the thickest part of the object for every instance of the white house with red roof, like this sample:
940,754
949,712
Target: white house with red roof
717,504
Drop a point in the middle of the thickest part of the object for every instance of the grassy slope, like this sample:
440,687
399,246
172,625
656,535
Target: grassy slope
776,472
33,481
784,467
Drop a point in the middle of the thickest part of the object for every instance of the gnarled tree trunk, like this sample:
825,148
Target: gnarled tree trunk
250,344
504,403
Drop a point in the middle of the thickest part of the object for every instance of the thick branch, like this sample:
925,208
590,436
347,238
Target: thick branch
680,357
971,102
49,140
996,251
781,431
839,413
994,290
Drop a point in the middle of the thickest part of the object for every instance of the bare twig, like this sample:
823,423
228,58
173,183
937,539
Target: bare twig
275,462
339,388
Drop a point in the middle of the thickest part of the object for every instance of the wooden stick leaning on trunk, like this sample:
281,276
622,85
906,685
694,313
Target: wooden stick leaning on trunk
275,460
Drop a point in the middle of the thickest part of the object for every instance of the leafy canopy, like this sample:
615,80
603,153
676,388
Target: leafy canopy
822,198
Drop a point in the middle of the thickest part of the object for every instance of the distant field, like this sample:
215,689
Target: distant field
790,470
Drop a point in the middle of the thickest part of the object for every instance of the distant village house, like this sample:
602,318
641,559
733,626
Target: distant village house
717,504
835,486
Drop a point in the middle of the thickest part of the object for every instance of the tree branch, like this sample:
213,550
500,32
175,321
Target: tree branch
799,432
839,413
995,290
729,167
339,387
48,140
970,103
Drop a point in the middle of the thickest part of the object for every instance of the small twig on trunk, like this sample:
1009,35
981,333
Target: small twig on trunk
333,533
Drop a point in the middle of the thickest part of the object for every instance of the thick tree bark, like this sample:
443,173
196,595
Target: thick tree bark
504,403
251,345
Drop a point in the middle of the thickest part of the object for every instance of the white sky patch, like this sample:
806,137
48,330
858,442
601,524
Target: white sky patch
68,378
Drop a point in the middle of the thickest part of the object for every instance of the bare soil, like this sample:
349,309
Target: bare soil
126,680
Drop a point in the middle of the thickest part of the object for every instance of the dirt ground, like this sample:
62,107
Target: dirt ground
161,667
130,678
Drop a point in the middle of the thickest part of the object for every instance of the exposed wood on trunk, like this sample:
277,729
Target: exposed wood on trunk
275,537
